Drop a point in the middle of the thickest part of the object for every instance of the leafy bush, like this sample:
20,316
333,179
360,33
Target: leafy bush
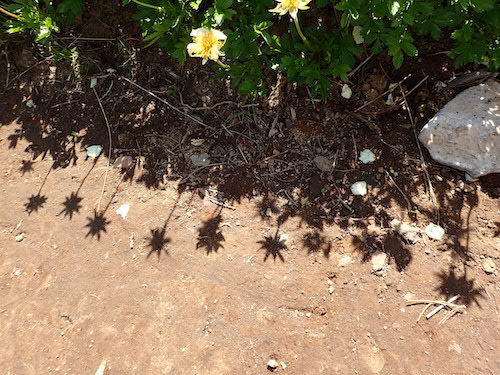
310,42
335,34
39,17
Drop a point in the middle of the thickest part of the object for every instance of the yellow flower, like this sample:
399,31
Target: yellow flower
206,44
290,6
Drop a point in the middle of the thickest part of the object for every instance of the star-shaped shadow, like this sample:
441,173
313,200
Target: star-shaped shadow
157,241
71,205
26,166
35,202
273,246
315,242
97,225
209,235
452,284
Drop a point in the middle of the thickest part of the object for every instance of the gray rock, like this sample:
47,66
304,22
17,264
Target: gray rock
465,134
323,163
200,160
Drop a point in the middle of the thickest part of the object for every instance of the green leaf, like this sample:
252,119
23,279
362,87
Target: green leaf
397,59
409,49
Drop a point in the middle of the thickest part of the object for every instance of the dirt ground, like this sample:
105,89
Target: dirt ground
185,286
256,254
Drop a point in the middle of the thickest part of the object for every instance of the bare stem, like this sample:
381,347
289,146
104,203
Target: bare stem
222,64
299,30
10,14
147,5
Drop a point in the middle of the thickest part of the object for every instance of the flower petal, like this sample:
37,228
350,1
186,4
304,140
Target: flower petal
219,34
293,12
197,33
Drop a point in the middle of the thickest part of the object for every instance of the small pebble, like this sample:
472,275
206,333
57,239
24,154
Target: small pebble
488,265
272,364
20,237
330,290
434,231
308,314
378,261
367,156
359,188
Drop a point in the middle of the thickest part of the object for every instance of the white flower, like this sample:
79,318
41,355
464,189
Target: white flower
290,6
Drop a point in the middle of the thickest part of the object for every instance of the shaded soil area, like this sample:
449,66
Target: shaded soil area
237,248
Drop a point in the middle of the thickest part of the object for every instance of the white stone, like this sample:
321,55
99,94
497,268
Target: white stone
434,231
359,188
378,261
346,92
94,151
366,156
465,134
123,210
272,363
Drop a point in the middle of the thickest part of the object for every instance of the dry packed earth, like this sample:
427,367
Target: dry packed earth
184,285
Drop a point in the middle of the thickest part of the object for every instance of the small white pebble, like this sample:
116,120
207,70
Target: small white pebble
359,188
20,237
346,92
272,363
123,210
356,35
367,156
434,231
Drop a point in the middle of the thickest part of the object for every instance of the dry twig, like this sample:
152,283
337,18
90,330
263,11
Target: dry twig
454,308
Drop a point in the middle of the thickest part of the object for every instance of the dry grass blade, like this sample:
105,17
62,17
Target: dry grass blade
110,144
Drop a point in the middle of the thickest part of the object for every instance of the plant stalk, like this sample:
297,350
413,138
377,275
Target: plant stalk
147,5
222,64
299,30
10,14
